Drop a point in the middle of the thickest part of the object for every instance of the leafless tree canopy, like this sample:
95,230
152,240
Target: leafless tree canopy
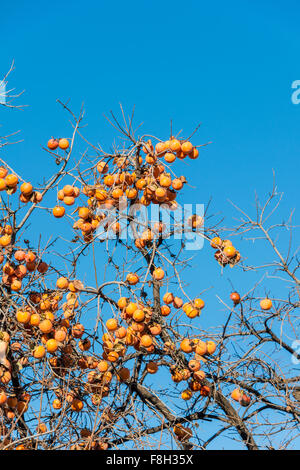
101,346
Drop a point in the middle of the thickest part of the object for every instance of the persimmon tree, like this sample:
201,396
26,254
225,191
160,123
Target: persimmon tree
112,354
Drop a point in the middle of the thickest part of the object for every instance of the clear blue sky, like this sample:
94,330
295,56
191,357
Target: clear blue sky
229,65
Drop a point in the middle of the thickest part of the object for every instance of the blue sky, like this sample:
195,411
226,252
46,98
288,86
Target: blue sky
229,65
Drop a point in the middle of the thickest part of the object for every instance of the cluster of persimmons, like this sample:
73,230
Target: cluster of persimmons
45,326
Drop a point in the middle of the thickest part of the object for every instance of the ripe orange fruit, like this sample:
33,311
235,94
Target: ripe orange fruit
86,227
60,335
131,308
60,195
39,352
3,397
112,356
102,167
23,316
8,229
68,190
158,274
131,193
8,269
5,240
194,365
102,366
160,147
194,153
58,211
187,394
26,188
3,172
21,447
165,310
170,157
201,348
146,341
165,181
175,145
205,391
132,279
186,147
235,297
168,298
151,159
11,180
41,428
138,315
112,324
76,191
138,327
6,377
78,330
236,394
266,304
51,345
148,147
177,184
160,193
30,257
69,200
37,197
52,144
199,303
141,183
177,302
122,302
199,375
63,143
117,193
121,332
44,304
192,312
229,251
155,329
109,180
2,184
35,319
45,326
186,346
195,386
211,347
20,255
56,404
139,243
62,283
